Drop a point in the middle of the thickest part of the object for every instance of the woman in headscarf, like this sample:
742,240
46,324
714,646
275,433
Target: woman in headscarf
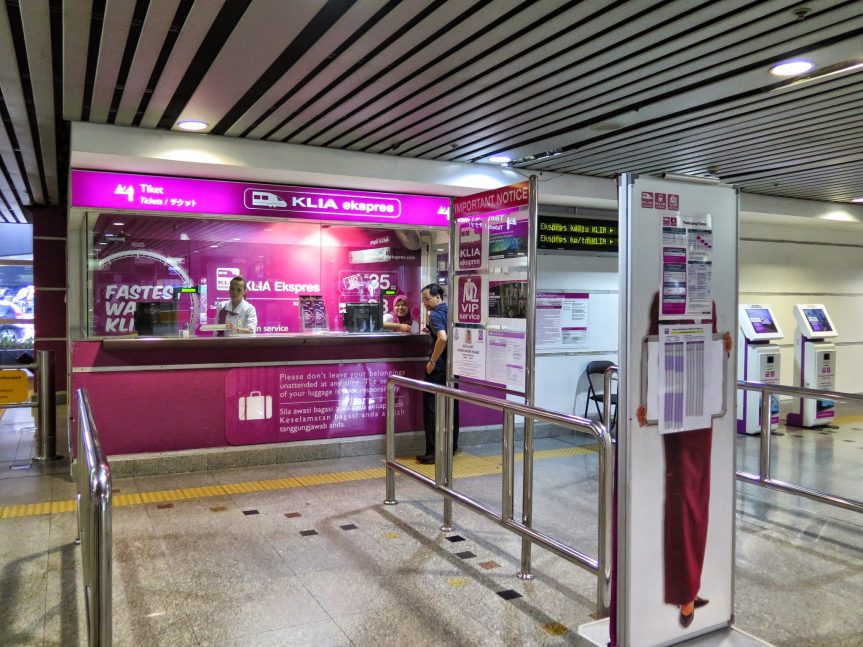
401,320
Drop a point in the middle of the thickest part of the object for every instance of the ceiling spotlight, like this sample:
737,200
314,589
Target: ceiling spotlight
192,125
858,200
792,68
500,159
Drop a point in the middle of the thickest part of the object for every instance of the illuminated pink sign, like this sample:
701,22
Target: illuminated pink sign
121,191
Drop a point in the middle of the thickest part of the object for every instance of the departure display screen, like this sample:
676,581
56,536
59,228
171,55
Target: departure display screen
577,234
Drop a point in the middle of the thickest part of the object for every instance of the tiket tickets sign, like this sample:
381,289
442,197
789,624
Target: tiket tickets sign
122,191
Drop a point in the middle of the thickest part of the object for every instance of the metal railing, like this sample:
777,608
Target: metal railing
443,481
94,525
607,378
45,404
764,478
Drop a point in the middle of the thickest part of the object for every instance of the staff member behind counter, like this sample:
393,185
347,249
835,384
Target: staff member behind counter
240,315
401,319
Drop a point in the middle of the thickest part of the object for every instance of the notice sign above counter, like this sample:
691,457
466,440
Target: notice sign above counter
577,234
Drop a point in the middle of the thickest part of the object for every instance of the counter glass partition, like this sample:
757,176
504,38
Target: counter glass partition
301,276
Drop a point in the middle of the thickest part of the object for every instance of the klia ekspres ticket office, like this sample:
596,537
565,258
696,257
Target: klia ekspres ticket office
323,268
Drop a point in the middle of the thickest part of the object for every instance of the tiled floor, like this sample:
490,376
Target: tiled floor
329,564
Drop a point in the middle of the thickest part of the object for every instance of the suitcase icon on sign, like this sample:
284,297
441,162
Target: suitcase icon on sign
256,406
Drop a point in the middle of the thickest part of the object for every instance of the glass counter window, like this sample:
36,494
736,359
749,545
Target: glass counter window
300,276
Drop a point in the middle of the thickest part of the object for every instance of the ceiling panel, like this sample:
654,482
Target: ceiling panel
318,61
35,24
157,22
233,70
371,38
115,31
195,28
565,86
76,32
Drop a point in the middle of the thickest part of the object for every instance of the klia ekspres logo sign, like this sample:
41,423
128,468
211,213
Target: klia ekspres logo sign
321,203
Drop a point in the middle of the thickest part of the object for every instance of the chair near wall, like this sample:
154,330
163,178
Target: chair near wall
595,373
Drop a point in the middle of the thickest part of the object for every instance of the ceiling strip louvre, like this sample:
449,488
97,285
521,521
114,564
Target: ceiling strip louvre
315,29
219,32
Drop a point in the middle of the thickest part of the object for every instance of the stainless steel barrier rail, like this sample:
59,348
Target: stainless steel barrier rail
442,483
607,377
94,526
764,477
45,403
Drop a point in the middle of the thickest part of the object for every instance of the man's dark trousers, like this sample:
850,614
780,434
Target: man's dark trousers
438,376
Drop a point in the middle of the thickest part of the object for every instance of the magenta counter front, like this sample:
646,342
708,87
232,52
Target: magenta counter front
170,394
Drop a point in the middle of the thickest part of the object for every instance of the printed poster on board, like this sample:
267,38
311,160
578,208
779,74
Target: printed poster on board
687,267
507,235
506,357
561,320
507,299
469,352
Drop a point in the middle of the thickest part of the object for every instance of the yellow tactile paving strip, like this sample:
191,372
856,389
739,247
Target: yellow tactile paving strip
464,466
846,420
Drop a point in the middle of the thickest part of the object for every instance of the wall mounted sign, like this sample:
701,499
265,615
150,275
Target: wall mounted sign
103,190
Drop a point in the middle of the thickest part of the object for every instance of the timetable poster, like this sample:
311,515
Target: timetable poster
561,320
684,362
687,267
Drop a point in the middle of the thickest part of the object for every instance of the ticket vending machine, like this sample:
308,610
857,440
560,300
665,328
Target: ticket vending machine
757,361
814,364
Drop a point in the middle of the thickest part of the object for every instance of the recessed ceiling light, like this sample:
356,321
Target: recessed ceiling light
119,224
213,246
191,124
500,159
236,239
792,68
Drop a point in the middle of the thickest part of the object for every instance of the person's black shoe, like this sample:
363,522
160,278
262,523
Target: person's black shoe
685,620
700,602
428,459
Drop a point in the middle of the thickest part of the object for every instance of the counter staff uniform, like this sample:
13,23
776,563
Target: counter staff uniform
435,370
237,312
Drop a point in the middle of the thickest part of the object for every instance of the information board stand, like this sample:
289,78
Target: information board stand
674,528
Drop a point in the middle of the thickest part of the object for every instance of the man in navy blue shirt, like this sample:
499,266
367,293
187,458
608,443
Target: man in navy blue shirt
432,298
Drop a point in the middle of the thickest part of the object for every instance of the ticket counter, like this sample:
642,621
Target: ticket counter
311,259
